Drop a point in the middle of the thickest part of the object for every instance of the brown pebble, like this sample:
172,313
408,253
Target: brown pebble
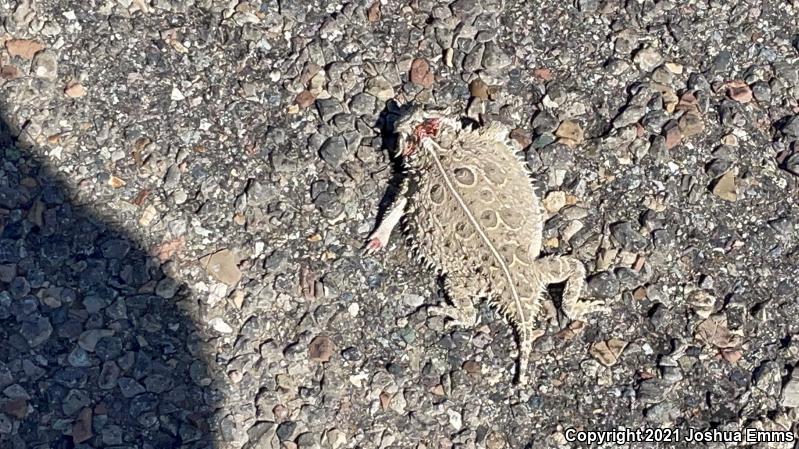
731,355
116,182
472,367
18,408
320,349
9,72
739,91
608,352
385,400
75,90
495,440
523,137
101,409
672,134
280,412
82,428
688,102
725,187
373,12
571,132
24,48
574,329
691,124
479,89
543,73
309,71
304,99
420,73
223,265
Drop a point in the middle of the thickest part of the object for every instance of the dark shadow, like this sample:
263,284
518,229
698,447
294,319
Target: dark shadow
388,145
96,346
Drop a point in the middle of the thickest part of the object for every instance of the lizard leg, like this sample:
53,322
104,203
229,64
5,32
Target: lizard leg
380,237
462,311
555,269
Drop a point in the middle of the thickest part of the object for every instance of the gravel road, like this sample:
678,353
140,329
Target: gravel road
186,186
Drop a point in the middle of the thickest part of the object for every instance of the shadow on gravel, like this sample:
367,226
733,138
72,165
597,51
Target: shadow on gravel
388,145
95,350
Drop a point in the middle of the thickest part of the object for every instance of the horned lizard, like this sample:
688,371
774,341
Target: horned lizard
470,211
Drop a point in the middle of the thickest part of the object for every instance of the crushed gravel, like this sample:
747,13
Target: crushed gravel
186,187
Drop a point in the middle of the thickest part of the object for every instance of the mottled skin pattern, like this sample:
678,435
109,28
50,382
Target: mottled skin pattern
471,212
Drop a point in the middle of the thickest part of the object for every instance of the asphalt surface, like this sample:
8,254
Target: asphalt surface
186,187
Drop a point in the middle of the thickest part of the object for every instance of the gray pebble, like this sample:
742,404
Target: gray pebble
109,376
172,178
473,60
36,330
334,151
19,287
790,392
627,237
761,91
545,122
6,425
352,354
782,225
108,348
652,391
363,104
791,164
659,413
494,58
647,59
630,115
328,107
260,430
791,128
628,278
115,248
75,401
285,430
7,272
329,205
45,65
167,288
464,8
94,303
587,6
768,378
603,285
112,435
142,403
308,440
79,358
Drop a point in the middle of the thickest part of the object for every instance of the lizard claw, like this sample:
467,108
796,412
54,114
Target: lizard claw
457,318
373,245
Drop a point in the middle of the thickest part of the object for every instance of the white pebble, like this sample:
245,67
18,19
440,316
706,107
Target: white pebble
177,95
219,325
353,309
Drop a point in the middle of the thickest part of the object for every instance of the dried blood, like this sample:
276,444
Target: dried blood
428,128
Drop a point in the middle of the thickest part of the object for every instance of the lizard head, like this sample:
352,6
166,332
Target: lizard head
415,125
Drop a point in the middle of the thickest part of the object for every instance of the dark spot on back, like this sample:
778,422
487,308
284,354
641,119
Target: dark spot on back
464,176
